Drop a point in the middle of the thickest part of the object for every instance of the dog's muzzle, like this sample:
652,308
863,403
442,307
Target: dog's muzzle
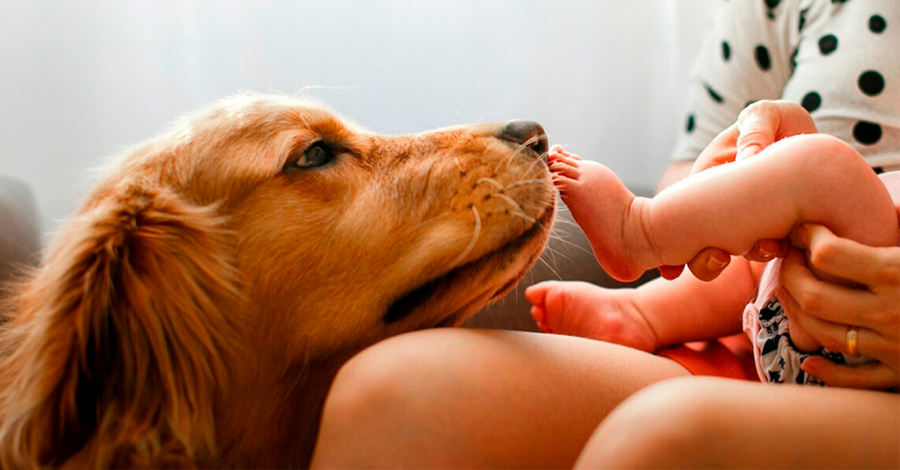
527,133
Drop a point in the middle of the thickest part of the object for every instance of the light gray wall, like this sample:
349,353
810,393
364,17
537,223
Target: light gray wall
79,81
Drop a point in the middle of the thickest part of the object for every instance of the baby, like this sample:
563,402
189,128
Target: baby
804,178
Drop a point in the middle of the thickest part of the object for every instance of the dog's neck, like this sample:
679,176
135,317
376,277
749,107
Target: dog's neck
273,421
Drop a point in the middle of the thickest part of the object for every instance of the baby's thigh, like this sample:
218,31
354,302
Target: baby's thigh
463,398
718,423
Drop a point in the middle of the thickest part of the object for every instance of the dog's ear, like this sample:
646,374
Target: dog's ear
116,349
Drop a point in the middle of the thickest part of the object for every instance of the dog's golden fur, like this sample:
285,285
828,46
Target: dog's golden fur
195,309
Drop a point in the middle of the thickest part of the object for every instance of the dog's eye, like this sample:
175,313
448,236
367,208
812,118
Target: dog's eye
316,155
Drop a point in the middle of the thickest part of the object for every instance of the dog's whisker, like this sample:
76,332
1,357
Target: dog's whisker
306,88
555,252
538,161
550,252
571,244
491,181
555,273
567,222
474,239
562,239
518,209
512,156
458,164
565,244
524,182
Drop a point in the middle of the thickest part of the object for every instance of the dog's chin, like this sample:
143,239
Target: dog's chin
452,297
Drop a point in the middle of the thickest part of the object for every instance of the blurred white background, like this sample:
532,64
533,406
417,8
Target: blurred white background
80,81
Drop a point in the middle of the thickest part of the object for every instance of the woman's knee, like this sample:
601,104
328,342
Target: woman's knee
669,424
379,399
379,381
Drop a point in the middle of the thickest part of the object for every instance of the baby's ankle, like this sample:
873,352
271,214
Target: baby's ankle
631,252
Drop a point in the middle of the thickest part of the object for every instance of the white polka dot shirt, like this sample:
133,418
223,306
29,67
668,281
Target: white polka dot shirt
839,59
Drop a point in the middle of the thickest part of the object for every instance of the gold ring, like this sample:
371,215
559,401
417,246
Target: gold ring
853,341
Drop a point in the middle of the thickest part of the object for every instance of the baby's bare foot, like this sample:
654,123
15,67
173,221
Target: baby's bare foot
582,309
603,208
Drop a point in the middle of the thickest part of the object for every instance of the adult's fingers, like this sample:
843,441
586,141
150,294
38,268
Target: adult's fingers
833,337
721,150
670,272
709,263
847,259
756,127
768,249
765,122
829,334
871,375
805,295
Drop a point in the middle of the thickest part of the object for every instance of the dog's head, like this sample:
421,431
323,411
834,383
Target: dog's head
255,240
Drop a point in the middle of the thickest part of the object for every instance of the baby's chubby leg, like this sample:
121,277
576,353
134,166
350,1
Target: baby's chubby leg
806,178
607,212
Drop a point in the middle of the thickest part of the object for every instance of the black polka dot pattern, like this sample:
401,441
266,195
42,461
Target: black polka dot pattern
811,101
871,82
712,94
762,58
877,24
847,46
802,19
867,133
828,44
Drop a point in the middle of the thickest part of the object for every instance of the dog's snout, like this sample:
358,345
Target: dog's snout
527,133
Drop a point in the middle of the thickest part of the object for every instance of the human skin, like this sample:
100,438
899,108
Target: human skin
824,309
811,178
457,398
460,398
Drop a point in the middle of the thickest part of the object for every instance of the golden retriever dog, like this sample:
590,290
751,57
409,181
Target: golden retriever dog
194,311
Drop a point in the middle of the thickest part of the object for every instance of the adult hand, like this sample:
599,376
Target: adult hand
759,125
826,310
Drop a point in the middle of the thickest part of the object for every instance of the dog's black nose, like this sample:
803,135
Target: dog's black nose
527,133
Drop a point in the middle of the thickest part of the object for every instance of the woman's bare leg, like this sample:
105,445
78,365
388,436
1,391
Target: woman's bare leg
460,398
720,423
